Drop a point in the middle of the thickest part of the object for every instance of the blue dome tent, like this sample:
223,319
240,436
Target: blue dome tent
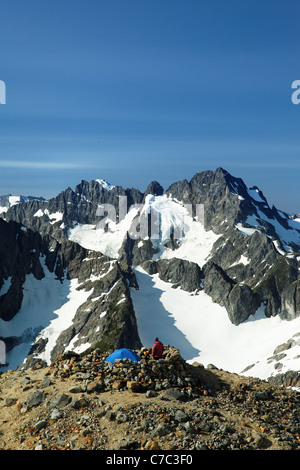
121,354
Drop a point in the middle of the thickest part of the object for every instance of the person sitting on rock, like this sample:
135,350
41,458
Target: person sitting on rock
157,349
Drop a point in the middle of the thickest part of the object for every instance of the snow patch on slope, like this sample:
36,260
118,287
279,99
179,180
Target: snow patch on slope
288,236
195,243
168,216
6,285
96,238
48,308
203,332
105,184
63,318
54,217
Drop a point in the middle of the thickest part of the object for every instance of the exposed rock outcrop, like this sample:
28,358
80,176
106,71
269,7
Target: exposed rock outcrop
106,318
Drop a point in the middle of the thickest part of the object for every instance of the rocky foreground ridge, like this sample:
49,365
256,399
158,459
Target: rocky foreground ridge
82,402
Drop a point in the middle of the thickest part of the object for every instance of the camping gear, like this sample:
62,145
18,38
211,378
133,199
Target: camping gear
122,354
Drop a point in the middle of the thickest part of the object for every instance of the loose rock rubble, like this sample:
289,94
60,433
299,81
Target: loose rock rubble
86,403
147,374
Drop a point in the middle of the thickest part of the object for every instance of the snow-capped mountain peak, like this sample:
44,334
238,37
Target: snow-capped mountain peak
105,184
208,260
8,201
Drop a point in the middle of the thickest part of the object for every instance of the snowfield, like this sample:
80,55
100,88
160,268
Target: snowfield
203,332
47,309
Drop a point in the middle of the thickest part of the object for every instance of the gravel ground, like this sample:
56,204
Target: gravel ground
85,403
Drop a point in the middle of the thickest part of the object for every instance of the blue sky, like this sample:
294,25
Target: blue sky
137,90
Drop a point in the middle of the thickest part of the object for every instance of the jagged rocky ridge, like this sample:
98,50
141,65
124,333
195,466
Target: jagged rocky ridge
8,201
253,261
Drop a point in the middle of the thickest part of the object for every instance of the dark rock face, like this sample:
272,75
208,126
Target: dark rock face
217,191
288,379
216,283
19,254
181,273
110,323
107,317
267,278
242,302
56,216
154,188
290,301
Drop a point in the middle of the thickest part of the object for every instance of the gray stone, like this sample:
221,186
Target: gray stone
36,398
175,394
60,401
189,427
56,414
79,403
161,430
10,401
181,416
41,424
75,389
127,444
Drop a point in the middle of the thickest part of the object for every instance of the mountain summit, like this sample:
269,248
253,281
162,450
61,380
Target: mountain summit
207,265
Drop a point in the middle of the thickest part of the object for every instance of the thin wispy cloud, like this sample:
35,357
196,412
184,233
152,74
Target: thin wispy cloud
149,92
48,165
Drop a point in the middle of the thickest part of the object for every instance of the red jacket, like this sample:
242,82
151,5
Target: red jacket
158,349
